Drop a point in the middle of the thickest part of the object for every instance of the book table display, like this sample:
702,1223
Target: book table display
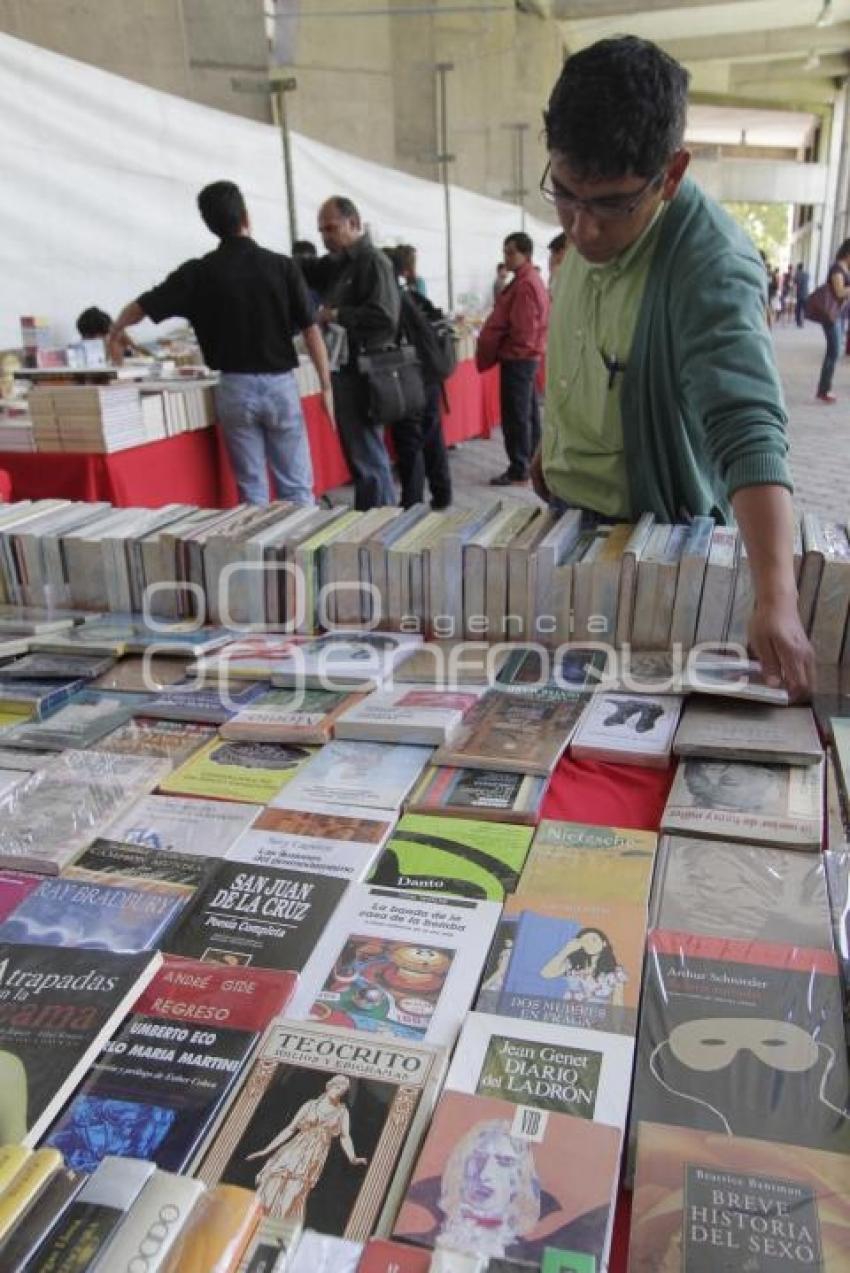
360,951
193,467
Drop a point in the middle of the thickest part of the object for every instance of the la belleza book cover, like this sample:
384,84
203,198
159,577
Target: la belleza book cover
264,917
744,1039
499,1180
57,1007
704,1203
323,1124
160,1082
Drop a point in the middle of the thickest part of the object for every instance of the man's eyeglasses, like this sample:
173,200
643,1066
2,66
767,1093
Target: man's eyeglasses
613,208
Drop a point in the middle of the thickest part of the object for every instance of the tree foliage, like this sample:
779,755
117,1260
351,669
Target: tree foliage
767,225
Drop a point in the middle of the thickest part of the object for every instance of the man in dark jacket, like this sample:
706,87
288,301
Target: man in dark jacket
358,291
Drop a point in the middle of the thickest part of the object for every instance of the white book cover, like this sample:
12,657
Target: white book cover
424,714
356,775
185,823
632,729
327,840
399,964
153,1223
756,803
345,658
566,1069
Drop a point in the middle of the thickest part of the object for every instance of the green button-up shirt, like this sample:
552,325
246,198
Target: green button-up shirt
594,313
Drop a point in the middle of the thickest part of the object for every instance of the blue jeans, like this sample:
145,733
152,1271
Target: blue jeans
264,429
362,443
832,331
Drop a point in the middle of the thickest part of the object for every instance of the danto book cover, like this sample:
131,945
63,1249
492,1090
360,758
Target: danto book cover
756,803
629,729
356,775
258,916
520,733
501,1180
744,1039
325,841
720,889
56,1010
705,1202
454,856
583,1073
580,965
162,1081
226,770
573,860
425,714
326,1125
400,964
290,716
480,794
124,917
15,886
185,823
346,659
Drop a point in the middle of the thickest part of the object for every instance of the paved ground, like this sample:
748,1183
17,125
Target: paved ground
820,436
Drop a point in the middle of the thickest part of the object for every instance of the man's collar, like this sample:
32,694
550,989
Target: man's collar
358,245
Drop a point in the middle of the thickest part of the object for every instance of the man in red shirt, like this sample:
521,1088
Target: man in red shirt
514,336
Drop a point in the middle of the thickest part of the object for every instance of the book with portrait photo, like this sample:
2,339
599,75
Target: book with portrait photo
757,803
704,1202
501,1180
326,1126
628,729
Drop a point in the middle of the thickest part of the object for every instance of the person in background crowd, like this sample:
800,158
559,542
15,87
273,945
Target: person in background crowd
514,337
772,293
557,252
95,324
359,291
801,288
839,281
662,392
501,280
405,258
245,304
786,309
418,440
305,250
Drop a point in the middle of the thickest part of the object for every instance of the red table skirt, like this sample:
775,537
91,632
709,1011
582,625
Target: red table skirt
193,468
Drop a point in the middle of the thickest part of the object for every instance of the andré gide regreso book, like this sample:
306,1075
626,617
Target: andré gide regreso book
162,1080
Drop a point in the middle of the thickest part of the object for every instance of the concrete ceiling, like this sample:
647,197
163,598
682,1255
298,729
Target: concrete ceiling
767,68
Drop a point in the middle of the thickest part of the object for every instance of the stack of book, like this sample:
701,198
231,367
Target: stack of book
103,418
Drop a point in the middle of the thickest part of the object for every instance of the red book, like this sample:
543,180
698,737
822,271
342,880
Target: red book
14,887
382,1256
216,994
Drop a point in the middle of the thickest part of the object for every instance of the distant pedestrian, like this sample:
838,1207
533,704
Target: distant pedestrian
501,280
557,252
839,281
801,283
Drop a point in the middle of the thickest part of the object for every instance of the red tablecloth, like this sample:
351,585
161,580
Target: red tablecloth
193,468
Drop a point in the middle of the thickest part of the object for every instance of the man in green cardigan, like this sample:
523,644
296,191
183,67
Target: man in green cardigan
662,393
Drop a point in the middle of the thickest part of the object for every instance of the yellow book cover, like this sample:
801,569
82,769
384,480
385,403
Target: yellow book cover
26,1185
12,1159
253,772
573,861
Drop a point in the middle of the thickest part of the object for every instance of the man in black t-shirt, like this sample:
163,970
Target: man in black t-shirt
245,304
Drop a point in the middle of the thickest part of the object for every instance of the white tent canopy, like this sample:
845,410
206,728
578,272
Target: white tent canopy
101,176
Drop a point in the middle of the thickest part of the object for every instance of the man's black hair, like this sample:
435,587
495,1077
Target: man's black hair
93,322
844,250
304,248
345,207
222,208
558,243
521,242
618,109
